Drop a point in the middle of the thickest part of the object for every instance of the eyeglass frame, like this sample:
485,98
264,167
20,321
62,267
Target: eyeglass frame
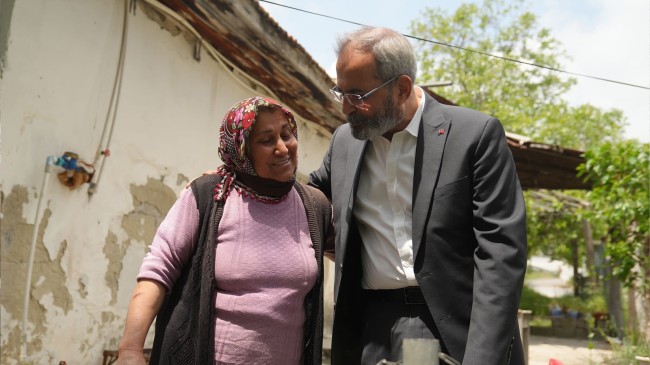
340,96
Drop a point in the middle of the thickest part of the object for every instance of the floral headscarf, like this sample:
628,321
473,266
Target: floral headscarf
234,132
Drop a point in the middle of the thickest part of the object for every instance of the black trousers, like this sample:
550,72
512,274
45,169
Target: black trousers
387,321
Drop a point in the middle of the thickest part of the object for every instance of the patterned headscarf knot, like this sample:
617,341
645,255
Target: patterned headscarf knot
234,132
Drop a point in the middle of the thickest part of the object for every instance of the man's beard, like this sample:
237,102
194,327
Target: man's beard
370,127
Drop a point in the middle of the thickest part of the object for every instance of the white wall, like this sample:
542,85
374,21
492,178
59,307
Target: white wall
54,97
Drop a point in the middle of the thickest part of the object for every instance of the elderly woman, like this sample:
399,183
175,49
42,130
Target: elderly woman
234,274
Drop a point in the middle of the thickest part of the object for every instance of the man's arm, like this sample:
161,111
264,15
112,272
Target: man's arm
321,179
500,258
329,247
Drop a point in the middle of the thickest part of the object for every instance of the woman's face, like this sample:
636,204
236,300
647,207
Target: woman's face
273,148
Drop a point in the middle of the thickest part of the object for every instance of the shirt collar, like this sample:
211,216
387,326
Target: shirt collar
414,124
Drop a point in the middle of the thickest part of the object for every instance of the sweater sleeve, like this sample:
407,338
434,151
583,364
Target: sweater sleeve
174,242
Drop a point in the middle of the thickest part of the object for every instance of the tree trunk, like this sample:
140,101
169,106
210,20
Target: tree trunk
644,316
576,265
590,253
632,318
614,304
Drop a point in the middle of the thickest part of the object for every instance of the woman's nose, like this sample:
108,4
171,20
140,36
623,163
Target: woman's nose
281,147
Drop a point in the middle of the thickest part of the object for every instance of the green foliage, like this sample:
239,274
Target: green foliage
528,100
538,303
586,306
580,127
620,198
553,226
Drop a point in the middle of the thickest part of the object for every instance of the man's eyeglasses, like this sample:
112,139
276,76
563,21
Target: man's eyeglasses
356,99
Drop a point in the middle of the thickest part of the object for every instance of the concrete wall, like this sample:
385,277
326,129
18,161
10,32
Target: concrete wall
55,91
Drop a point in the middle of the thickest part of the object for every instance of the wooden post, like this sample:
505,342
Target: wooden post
523,317
420,351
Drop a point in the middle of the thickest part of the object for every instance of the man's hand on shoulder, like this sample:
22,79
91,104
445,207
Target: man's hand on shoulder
206,172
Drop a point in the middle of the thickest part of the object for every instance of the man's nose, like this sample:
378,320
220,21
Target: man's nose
347,108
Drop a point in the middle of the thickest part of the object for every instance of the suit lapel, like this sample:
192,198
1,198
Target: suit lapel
432,137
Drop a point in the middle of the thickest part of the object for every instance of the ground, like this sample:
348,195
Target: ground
568,351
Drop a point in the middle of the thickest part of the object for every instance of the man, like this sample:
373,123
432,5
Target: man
428,213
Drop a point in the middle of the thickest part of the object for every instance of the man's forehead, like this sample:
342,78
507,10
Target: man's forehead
355,70
354,58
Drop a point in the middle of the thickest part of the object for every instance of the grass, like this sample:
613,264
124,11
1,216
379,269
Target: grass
537,303
625,353
533,274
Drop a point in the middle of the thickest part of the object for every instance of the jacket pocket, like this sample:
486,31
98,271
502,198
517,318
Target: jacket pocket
451,188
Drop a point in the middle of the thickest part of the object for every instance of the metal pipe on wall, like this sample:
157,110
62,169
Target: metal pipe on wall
103,149
49,163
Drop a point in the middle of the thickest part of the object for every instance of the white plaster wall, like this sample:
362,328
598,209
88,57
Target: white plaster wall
54,97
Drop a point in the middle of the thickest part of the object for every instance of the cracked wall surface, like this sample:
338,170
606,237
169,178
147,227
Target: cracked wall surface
89,247
151,201
48,277
150,205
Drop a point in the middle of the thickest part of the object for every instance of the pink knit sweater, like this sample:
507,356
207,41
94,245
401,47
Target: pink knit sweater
265,265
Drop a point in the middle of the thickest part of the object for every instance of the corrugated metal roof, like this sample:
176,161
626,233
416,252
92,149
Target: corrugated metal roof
543,166
539,165
244,33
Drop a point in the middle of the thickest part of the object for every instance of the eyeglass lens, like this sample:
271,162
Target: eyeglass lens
356,99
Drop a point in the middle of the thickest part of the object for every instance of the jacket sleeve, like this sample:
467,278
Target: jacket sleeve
321,178
500,258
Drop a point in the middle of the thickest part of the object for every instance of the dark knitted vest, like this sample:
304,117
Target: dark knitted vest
184,326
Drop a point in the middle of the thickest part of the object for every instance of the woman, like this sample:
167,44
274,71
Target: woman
244,285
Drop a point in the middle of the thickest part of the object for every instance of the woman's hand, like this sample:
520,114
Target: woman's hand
131,357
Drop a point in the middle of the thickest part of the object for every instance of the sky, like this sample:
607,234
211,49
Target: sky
608,39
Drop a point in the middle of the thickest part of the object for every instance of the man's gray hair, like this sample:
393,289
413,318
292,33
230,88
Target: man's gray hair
394,55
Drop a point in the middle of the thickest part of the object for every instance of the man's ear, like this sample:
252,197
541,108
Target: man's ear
404,88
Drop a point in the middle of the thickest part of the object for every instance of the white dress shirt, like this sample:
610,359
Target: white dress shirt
383,208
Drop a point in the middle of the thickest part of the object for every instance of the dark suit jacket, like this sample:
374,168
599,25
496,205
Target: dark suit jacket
469,235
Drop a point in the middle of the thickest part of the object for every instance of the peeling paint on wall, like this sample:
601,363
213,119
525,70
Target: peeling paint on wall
94,245
83,291
163,20
150,205
48,277
114,252
182,180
